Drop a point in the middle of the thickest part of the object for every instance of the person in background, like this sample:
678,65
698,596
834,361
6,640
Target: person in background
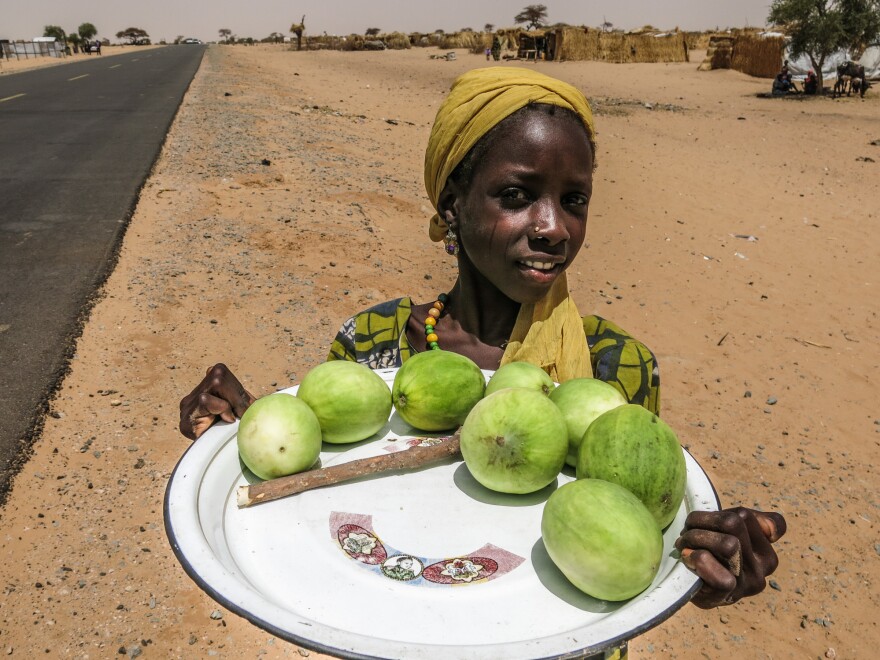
783,83
811,83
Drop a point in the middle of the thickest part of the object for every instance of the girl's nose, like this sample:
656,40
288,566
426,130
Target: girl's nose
550,223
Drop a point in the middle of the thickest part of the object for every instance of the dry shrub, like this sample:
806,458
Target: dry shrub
352,42
422,40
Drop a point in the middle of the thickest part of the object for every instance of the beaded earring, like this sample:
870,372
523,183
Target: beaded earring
451,242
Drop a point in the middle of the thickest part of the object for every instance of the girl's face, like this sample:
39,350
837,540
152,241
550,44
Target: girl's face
523,219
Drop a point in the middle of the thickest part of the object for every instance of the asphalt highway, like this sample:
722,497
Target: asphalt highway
77,142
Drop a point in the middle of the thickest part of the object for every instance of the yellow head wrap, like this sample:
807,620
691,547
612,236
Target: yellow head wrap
548,333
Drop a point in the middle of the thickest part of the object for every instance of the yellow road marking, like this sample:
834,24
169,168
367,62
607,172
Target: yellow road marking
85,75
115,66
136,59
9,98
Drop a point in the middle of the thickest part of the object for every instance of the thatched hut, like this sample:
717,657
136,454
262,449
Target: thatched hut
533,45
754,54
509,38
484,42
570,43
466,39
395,41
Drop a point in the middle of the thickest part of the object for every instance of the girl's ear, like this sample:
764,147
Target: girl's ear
449,204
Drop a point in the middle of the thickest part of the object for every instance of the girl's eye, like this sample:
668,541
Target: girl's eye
514,195
576,200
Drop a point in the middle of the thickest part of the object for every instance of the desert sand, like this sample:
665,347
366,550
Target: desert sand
734,235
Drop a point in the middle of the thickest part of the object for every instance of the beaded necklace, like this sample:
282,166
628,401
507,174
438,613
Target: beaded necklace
436,311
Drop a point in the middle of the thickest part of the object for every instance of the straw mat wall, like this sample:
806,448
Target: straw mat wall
753,55
586,44
718,54
697,40
757,56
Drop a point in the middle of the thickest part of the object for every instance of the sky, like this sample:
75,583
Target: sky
166,19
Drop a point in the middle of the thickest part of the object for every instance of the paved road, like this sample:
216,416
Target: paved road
77,142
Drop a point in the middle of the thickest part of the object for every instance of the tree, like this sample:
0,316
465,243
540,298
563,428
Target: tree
134,35
87,31
534,16
815,28
179,38
298,29
55,31
372,32
74,39
861,24
606,25
488,27
224,34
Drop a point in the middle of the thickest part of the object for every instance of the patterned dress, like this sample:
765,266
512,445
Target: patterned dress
376,337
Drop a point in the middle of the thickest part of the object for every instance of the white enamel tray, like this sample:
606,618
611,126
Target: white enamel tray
418,564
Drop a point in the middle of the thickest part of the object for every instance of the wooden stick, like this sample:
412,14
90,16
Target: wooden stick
807,342
414,457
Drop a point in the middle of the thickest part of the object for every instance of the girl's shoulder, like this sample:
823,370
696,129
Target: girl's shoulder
376,336
602,333
622,360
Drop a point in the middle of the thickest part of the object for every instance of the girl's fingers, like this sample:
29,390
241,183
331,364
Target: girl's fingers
716,577
724,547
772,524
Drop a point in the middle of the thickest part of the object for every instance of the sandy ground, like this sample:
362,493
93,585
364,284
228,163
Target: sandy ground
24,64
768,346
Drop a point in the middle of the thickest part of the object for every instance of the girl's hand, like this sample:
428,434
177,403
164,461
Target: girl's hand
219,395
731,551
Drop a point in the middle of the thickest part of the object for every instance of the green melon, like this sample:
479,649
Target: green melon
514,441
520,374
351,400
602,538
435,390
634,448
581,401
278,435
